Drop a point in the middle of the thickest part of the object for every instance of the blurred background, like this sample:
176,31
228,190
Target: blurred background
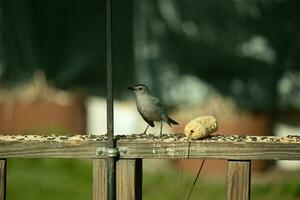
237,60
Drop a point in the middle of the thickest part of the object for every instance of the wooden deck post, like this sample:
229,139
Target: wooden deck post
238,180
2,179
129,179
99,179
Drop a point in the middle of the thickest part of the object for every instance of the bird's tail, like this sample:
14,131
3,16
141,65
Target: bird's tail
172,121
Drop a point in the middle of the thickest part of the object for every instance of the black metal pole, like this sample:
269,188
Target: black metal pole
111,162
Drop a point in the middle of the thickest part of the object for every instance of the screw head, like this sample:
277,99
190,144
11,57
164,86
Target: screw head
99,151
123,150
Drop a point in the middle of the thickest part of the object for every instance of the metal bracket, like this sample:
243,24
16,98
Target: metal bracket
111,152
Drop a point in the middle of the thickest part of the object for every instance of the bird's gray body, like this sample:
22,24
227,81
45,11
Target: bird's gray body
150,107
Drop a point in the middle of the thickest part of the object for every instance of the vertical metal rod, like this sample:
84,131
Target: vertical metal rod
111,162
110,114
2,179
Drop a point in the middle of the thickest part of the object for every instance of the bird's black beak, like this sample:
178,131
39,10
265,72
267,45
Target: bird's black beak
130,88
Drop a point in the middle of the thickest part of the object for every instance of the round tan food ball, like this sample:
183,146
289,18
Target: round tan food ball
201,127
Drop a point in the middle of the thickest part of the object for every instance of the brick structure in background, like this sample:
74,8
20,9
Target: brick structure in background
43,116
37,107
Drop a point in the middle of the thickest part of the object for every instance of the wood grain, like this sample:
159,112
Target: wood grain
216,147
51,146
99,179
2,179
169,147
238,180
129,179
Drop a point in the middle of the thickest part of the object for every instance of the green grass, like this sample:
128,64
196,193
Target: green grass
287,188
162,185
71,179
48,179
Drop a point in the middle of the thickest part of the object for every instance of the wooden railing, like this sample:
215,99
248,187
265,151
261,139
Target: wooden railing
238,150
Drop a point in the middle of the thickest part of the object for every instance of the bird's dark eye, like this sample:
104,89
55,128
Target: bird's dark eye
140,88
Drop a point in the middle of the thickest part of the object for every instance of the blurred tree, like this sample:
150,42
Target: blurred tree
66,39
243,48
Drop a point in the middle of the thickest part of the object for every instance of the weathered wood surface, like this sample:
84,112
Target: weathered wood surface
140,146
99,179
216,147
2,179
51,146
238,180
129,179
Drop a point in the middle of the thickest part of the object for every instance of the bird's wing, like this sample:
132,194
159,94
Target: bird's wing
157,106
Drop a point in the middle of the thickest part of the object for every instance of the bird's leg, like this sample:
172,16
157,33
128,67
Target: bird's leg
146,129
161,124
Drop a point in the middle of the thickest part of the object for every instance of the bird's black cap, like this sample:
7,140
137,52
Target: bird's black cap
137,85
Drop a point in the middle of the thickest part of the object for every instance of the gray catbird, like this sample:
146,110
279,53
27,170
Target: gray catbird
150,107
